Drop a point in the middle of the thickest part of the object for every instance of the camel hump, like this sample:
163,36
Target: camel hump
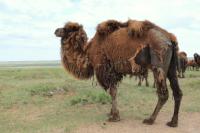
174,40
107,27
182,53
139,28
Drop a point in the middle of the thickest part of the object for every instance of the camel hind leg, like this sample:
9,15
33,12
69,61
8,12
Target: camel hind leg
162,92
160,68
177,93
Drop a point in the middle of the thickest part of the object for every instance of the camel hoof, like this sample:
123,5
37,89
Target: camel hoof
172,124
148,121
108,114
114,118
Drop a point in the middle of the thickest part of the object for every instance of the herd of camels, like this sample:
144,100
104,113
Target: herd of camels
125,48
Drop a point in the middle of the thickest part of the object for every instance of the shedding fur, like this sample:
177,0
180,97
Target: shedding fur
135,67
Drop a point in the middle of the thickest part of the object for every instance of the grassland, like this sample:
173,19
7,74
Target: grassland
46,99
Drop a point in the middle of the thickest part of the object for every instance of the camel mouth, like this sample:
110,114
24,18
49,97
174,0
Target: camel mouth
59,32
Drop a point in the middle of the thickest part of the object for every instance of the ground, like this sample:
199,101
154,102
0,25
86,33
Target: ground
38,99
189,123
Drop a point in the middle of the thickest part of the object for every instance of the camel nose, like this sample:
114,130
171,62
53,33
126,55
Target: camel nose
56,31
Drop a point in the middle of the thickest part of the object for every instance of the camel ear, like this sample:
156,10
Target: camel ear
80,26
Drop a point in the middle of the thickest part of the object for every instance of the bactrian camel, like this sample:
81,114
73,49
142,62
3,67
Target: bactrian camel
118,49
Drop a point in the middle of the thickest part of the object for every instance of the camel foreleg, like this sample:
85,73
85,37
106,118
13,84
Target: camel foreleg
114,114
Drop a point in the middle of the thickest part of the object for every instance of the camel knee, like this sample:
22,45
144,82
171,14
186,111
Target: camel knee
178,95
113,92
160,79
163,97
159,74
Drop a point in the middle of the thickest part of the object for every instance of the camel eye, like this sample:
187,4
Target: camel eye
74,28
66,30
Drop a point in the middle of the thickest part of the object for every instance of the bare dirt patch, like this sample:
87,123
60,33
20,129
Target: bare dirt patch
189,123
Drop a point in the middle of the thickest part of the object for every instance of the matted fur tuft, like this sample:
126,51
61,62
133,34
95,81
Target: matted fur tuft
77,65
139,28
107,27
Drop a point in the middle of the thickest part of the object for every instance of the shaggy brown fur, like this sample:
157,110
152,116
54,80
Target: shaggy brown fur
182,60
139,28
111,58
107,27
74,58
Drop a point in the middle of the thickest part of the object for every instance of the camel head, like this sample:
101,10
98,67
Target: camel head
68,28
74,32
73,57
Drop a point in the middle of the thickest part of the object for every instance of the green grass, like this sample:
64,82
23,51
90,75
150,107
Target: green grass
47,99
91,98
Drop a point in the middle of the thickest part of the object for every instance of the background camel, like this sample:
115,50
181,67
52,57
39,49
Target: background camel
197,58
182,61
118,49
142,75
192,65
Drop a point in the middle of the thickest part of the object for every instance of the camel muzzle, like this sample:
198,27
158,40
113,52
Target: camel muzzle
59,32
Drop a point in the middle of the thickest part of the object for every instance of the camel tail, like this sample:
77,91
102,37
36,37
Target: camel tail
174,61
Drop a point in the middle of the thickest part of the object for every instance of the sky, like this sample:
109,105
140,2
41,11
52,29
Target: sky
27,26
